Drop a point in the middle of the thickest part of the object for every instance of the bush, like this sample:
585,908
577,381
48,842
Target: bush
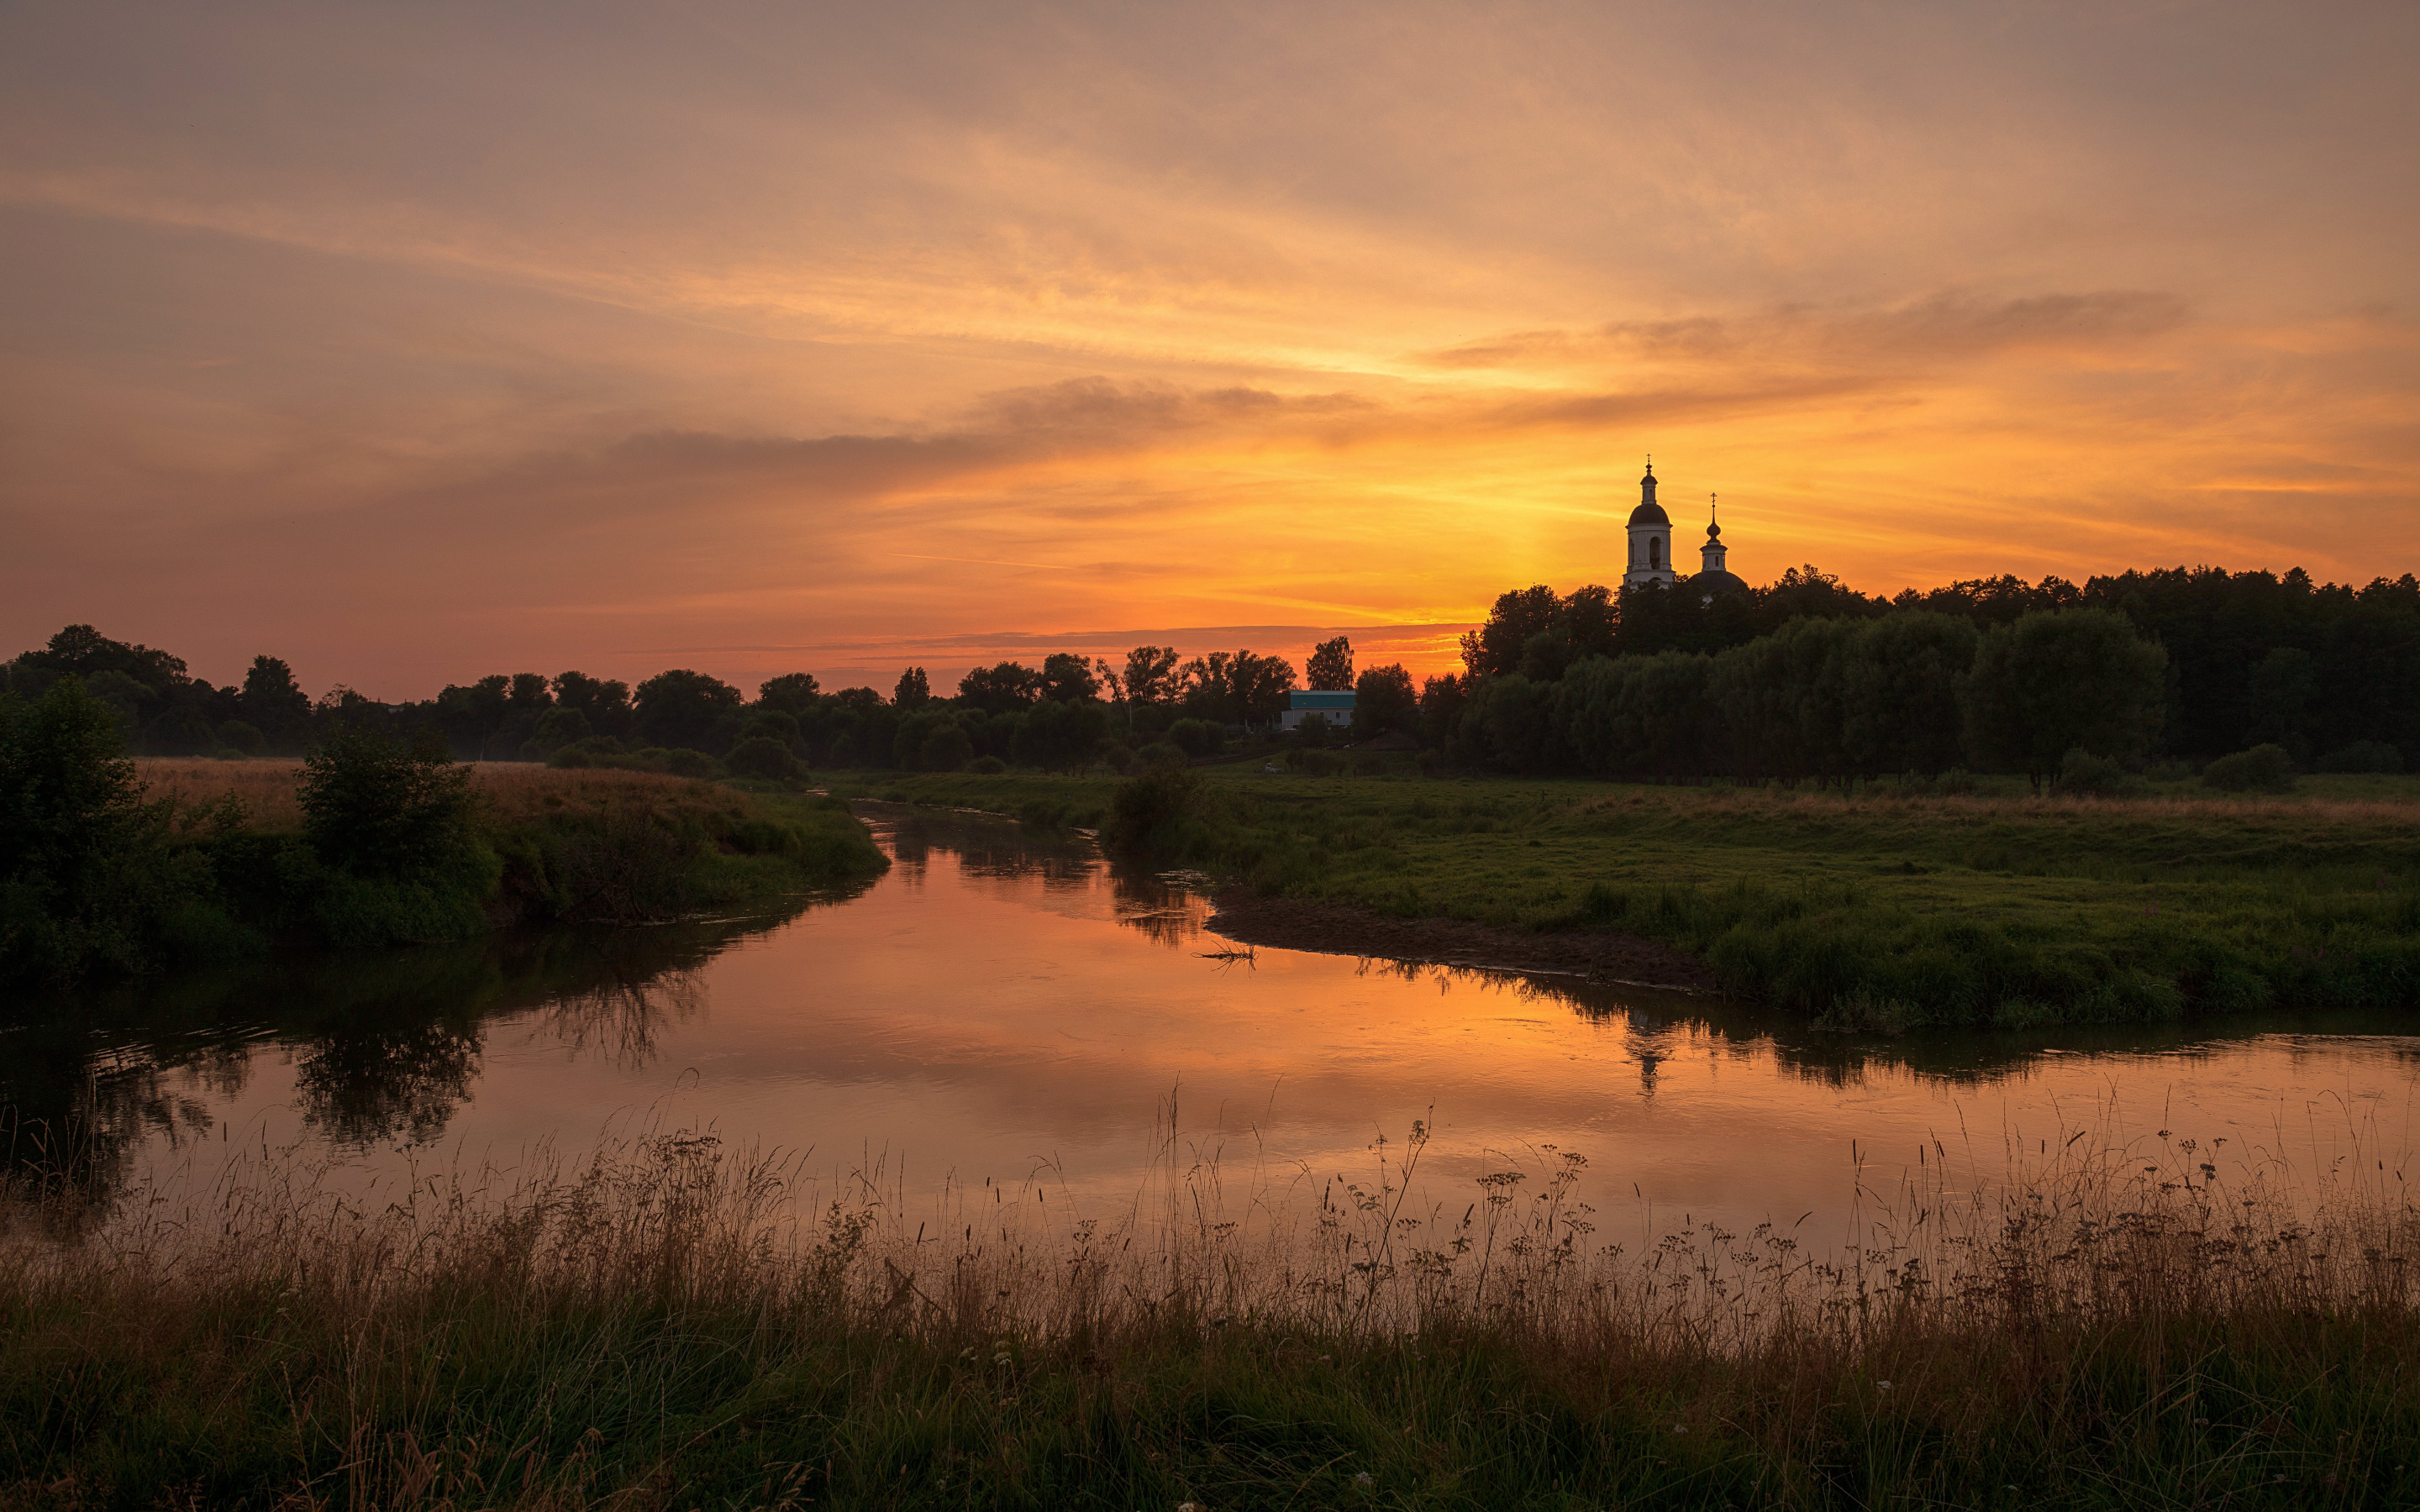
377,806
762,757
1197,737
2362,756
1119,759
2080,771
239,737
2261,769
1146,812
987,766
684,762
1162,753
572,756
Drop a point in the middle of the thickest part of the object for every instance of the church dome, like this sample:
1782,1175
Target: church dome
1649,512
1714,584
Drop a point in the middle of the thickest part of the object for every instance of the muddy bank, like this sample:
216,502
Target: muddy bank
1343,929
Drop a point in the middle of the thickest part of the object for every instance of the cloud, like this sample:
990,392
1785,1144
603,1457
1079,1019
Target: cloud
1940,328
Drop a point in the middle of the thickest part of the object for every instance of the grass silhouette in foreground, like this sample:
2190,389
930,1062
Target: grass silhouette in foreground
676,1325
1893,909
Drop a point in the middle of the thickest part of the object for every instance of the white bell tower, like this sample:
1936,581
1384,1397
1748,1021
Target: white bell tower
1651,538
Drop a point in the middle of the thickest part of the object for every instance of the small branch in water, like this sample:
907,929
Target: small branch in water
1247,955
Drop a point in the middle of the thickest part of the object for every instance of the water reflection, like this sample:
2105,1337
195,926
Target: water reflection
1005,999
383,1047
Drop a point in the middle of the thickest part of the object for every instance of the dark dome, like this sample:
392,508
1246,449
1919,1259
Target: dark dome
1716,583
1650,515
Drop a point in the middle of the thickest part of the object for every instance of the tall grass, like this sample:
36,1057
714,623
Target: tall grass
672,1324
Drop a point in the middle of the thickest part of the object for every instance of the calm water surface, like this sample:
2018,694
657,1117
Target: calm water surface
1002,1005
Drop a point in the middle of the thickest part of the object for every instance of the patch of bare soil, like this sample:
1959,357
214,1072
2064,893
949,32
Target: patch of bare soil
1343,929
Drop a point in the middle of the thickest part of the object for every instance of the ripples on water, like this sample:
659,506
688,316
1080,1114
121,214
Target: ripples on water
1004,1005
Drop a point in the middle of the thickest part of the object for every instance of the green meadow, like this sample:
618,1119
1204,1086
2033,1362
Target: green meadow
1881,907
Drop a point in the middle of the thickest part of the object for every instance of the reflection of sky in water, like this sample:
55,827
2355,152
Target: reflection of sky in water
980,1013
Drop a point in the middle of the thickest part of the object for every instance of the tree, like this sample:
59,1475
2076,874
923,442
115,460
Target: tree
2053,682
914,691
1384,702
1002,688
687,709
1150,676
1069,678
793,693
1058,734
1897,692
604,702
81,868
529,694
273,702
1331,668
376,806
1516,616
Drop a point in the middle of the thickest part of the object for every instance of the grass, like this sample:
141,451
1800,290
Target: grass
1883,910
554,844
2112,1327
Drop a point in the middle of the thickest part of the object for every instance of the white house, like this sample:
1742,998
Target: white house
1301,704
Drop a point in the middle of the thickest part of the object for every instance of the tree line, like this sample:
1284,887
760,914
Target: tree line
1069,711
1808,678
1804,677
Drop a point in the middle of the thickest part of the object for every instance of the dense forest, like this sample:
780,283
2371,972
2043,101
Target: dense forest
1804,678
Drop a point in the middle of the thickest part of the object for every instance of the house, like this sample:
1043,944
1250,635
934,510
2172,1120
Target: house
1336,704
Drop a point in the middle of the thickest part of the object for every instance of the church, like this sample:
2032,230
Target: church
1651,549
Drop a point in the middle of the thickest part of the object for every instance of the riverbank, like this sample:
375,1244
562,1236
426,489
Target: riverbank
200,862
675,1325
1886,911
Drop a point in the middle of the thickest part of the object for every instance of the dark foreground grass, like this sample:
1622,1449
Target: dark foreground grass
648,1332
1879,911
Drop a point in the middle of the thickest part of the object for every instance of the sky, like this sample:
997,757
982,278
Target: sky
413,343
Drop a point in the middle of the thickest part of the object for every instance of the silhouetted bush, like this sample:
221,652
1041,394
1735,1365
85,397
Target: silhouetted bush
2261,769
2362,756
1162,753
2082,772
1147,812
1197,737
987,766
761,756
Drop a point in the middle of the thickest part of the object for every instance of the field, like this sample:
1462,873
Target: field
678,1326
1882,910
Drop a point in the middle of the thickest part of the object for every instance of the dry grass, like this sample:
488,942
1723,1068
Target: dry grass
2108,1326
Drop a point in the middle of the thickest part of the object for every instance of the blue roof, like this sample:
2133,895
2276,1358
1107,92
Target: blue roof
1321,699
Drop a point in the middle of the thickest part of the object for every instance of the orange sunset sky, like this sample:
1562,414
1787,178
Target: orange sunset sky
417,342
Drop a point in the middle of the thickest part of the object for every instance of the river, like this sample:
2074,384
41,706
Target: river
1005,1006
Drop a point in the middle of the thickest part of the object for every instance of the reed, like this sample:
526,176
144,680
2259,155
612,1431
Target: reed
672,1322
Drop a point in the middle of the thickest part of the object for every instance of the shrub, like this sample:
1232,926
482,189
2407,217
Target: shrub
1162,753
1146,810
1956,782
239,737
2080,771
2362,756
376,806
2261,769
1197,737
761,756
987,766
1119,758
684,762
572,756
